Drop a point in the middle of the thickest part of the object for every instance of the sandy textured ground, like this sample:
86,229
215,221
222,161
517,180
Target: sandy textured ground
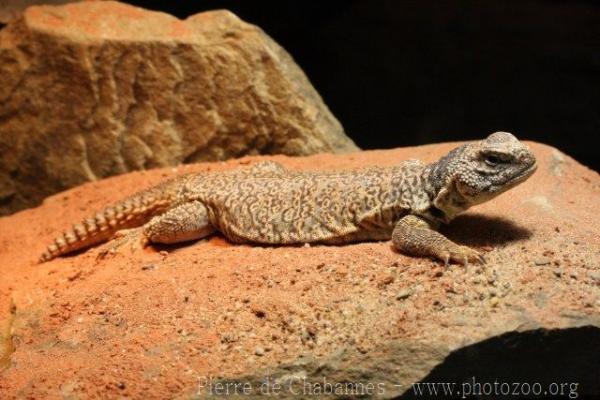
159,322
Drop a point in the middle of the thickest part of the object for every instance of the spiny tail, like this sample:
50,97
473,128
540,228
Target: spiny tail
132,212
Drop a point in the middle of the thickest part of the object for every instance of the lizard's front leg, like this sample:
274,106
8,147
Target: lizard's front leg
185,222
416,236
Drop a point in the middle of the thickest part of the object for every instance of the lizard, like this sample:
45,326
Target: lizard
269,204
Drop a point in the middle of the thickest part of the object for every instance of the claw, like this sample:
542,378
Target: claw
134,236
460,254
447,260
144,242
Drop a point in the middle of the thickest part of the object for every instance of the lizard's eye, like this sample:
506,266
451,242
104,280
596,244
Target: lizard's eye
493,160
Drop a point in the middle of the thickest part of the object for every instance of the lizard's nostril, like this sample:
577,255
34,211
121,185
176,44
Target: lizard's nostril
526,157
529,160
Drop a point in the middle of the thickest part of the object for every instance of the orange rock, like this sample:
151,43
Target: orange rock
94,327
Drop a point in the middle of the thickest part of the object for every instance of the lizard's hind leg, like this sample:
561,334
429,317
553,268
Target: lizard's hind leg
182,223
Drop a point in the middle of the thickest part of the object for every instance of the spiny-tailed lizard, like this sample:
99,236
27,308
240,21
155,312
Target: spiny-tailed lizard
271,205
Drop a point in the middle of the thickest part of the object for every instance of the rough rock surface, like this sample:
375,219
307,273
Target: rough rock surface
162,322
14,9
93,89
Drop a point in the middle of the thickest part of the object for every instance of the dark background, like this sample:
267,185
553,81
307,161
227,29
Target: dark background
399,73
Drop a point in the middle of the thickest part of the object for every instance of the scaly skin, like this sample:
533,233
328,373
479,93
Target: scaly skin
269,204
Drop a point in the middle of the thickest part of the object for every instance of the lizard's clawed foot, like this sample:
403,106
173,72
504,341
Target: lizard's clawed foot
461,255
134,236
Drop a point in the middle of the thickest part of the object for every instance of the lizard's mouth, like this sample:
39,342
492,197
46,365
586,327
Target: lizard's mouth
519,178
525,174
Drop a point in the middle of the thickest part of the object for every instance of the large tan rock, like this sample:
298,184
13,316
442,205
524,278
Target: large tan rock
167,322
94,89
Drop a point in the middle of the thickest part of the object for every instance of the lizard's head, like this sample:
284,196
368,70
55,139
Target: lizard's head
479,171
